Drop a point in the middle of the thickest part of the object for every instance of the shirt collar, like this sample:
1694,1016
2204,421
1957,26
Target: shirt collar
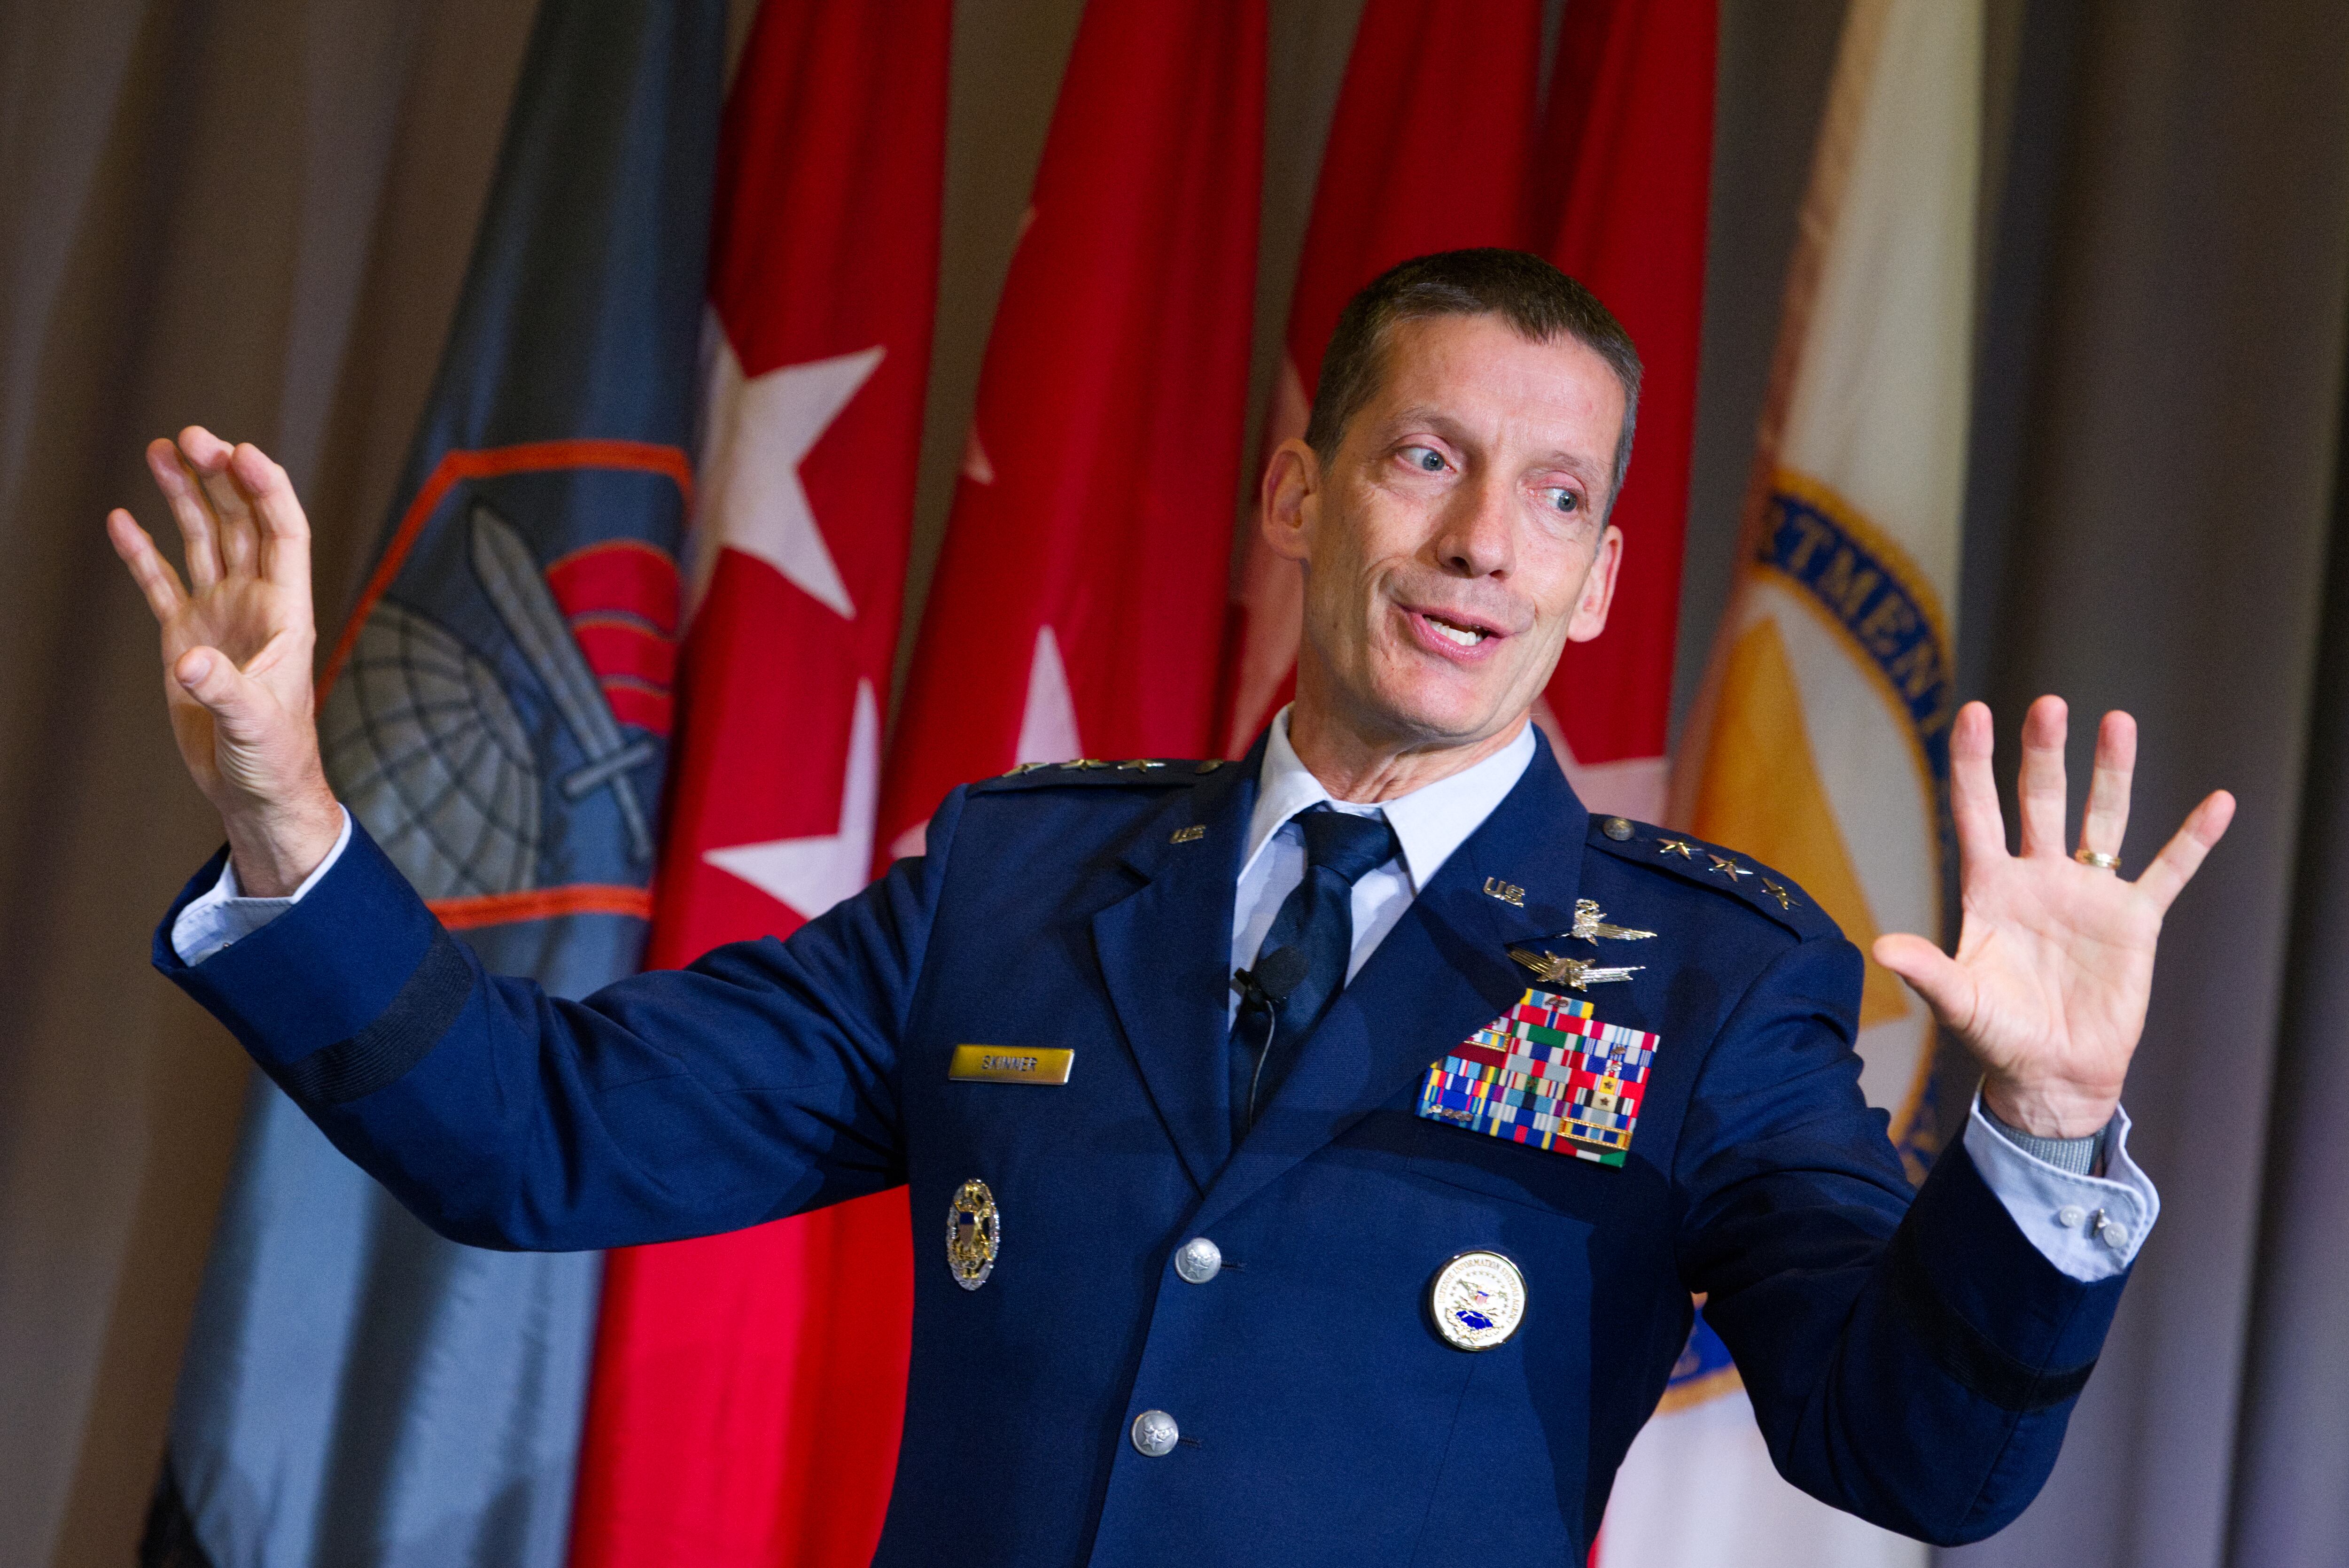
1430,822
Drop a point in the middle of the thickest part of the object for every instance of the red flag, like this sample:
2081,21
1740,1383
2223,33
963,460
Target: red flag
1079,599
1427,152
749,1389
1627,163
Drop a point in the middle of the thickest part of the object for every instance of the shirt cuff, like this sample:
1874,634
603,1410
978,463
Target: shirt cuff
2090,1227
223,915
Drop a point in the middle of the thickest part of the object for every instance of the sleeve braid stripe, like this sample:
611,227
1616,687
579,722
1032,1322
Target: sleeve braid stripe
381,1052
1961,1350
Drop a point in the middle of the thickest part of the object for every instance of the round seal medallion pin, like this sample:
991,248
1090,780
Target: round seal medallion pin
974,1233
1477,1300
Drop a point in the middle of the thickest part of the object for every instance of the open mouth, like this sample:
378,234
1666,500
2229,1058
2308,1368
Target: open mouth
1453,632
1452,635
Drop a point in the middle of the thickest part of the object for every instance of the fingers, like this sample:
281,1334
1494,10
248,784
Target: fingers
199,530
2039,783
283,528
154,574
1947,988
1973,790
2181,857
239,535
2105,821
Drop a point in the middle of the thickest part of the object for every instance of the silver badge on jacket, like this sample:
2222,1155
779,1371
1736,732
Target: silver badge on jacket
1477,1300
974,1234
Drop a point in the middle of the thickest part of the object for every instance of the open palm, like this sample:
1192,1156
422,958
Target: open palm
237,639
2054,959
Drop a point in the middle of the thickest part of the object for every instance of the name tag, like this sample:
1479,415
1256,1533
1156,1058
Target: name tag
1010,1064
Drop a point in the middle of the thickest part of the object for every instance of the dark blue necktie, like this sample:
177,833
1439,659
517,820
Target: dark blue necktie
1315,920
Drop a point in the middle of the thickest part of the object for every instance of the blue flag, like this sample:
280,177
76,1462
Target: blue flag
357,1390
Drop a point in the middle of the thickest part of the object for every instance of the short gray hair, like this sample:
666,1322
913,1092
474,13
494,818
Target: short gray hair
1540,303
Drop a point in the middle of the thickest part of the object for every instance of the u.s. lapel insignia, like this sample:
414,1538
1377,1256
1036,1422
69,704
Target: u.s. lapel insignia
974,1233
1546,1074
1507,892
1477,1300
1581,973
1590,925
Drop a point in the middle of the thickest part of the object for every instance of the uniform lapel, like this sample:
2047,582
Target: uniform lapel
1443,972
1165,958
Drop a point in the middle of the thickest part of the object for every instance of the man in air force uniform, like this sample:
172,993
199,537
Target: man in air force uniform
1380,1249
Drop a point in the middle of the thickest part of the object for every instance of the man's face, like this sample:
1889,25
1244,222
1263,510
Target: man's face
1455,544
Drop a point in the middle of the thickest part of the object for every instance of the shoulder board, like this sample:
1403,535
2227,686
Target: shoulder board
1157,772
1741,877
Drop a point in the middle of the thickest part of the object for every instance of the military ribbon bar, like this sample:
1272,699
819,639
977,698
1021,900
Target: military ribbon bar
1547,1074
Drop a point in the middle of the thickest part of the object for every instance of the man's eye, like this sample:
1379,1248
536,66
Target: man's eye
1426,460
1563,499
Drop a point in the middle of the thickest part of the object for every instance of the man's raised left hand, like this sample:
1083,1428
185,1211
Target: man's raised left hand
2054,959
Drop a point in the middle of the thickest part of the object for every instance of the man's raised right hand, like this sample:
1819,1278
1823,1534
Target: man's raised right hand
238,637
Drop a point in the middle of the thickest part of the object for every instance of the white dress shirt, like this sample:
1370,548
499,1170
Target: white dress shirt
1430,824
2088,1226
221,914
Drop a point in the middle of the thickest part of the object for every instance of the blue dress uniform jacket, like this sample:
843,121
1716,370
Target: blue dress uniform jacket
1913,1361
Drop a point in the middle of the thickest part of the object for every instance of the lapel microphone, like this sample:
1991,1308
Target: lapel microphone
1276,974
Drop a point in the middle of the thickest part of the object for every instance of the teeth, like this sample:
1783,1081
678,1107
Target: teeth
1463,635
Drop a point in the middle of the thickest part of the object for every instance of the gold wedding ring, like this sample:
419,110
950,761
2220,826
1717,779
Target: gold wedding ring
2088,857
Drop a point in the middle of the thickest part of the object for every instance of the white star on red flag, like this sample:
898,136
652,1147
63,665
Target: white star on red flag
761,429
811,874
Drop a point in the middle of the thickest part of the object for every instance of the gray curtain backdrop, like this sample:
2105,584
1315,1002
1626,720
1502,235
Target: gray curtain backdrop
255,213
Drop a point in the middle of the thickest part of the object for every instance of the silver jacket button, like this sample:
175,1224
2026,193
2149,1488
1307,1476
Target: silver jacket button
1156,1433
1199,1259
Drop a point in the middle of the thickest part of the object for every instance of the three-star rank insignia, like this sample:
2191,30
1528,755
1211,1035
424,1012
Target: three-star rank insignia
974,1233
1690,860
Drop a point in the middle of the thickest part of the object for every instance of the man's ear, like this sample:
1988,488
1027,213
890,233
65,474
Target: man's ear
1290,499
1597,588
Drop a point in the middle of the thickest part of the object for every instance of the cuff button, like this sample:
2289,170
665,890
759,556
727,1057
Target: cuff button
2071,1216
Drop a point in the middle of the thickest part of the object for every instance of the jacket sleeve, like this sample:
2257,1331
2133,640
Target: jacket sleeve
757,1083
1913,1362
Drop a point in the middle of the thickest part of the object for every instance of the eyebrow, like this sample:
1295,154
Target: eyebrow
1584,468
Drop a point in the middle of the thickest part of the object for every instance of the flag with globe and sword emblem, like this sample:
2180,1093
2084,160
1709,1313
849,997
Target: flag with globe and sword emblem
749,1389
1820,744
496,714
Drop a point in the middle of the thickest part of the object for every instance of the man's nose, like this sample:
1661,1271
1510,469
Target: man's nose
1476,536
